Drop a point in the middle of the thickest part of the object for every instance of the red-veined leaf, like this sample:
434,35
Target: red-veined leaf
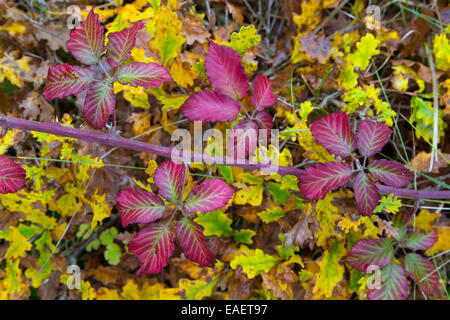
335,133
211,106
153,245
64,80
242,140
12,176
318,179
99,104
368,252
394,284
262,95
422,271
208,196
390,172
87,42
264,121
169,177
371,137
419,241
400,221
193,243
120,44
366,194
225,71
137,206
147,75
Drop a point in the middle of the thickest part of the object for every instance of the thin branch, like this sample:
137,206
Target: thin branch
167,152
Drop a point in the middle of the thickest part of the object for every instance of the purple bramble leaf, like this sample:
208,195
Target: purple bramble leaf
137,206
192,242
368,252
208,196
169,177
242,140
153,245
394,284
318,179
419,241
211,106
422,271
120,44
12,176
390,172
262,96
401,221
366,194
264,121
371,137
225,71
335,133
87,42
64,80
99,104
147,75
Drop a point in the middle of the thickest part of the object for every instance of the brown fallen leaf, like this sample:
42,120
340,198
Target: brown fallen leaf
194,30
302,233
316,47
422,162
36,108
56,35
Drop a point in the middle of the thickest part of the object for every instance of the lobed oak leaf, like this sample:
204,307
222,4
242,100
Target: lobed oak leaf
215,223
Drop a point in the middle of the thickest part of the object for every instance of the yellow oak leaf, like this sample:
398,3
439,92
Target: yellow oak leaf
166,29
251,194
215,223
18,244
443,242
327,215
253,261
441,50
425,220
100,209
182,73
331,270
366,48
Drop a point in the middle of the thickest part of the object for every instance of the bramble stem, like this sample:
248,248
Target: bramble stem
166,152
